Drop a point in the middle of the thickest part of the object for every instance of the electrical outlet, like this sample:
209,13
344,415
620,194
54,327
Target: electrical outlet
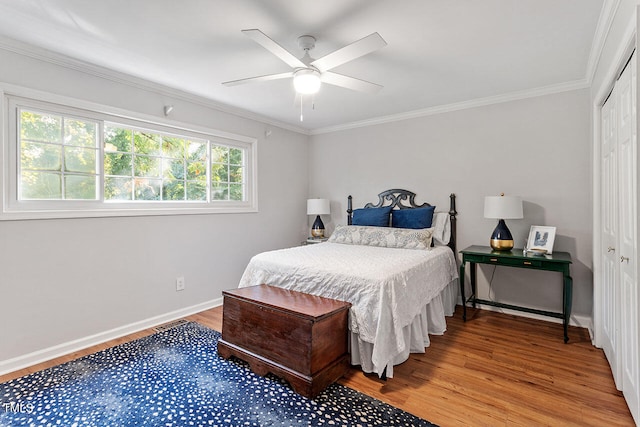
180,284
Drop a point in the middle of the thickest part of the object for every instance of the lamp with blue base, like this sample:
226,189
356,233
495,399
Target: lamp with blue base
318,207
502,207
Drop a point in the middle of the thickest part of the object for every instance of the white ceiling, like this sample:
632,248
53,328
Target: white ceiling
439,52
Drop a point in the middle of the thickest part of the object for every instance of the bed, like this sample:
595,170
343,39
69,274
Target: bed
401,282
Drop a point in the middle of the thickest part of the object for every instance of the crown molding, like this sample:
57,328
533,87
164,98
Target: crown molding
604,25
479,102
65,61
605,21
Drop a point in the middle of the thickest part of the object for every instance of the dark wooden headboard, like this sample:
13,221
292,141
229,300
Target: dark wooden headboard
404,199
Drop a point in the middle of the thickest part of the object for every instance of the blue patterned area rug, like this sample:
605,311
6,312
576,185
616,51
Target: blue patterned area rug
176,378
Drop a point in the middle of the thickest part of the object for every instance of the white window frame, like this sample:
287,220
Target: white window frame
14,209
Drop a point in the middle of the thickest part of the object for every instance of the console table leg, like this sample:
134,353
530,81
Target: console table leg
567,297
464,301
474,269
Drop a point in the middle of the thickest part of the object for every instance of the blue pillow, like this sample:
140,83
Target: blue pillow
374,217
413,218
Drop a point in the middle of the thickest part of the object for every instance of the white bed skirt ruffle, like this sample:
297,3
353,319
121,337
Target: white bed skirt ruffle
431,320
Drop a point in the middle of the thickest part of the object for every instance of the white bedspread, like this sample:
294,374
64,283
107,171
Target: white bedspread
387,287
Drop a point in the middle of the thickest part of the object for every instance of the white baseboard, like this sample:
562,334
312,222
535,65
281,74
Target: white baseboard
574,320
30,359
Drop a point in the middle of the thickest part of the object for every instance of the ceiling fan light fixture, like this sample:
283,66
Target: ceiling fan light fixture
306,81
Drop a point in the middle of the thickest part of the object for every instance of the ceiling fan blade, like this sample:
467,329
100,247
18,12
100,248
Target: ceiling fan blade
350,82
259,79
273,47
352,51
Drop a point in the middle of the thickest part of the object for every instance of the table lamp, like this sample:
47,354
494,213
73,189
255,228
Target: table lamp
318,207
502,207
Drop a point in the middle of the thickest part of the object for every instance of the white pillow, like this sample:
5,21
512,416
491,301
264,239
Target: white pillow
441,228
387,237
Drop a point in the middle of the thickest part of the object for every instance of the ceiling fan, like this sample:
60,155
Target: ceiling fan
309,73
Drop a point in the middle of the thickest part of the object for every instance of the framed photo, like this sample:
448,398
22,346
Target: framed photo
541,237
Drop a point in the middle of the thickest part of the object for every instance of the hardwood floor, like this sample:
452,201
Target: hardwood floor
493,370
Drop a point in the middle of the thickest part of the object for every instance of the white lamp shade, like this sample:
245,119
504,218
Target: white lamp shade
318,207
503,207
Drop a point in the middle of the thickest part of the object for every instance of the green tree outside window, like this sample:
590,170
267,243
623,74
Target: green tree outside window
59,161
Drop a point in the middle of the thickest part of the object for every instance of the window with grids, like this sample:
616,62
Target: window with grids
58,157
143,165
68,159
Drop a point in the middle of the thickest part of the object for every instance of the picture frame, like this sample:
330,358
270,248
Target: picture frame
541,237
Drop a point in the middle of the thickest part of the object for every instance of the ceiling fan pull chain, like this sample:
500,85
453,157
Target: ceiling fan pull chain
301,104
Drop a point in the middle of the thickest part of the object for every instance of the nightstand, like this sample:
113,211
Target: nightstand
314,240
558,261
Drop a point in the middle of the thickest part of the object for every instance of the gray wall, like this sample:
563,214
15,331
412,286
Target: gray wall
63,280
536,148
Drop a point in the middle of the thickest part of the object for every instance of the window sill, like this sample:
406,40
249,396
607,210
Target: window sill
17,214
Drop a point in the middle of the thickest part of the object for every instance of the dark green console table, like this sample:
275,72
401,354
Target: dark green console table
558,261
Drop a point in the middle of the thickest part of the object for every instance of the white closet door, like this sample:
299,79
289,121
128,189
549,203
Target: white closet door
627,255
619,303
609,216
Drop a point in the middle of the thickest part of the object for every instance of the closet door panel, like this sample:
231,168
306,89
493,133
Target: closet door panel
627,200
609,216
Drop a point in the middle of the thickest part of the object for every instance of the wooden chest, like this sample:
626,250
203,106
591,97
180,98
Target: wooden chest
296,336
